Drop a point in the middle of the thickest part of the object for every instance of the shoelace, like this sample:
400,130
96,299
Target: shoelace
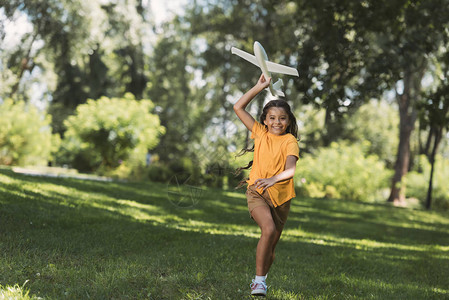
254,284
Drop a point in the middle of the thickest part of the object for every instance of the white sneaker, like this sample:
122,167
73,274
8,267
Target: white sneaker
258,288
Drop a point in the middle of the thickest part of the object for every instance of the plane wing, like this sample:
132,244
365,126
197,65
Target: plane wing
272,67
277,68
245,55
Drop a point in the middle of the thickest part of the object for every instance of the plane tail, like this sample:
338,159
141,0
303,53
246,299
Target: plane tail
276,90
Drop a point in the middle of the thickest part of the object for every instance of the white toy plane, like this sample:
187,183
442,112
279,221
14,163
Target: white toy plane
260,59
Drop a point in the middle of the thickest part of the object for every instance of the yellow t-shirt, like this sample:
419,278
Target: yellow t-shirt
270,155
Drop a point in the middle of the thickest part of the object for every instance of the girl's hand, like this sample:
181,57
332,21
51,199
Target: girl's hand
263,83
264,183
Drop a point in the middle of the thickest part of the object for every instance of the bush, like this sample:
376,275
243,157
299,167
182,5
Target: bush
376,122
417,183
111,136
158,172
25,135
342,171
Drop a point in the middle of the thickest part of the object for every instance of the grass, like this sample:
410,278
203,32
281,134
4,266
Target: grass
73,239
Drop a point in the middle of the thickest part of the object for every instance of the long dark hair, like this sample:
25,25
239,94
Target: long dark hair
292,128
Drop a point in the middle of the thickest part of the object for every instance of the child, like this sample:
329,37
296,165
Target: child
270,184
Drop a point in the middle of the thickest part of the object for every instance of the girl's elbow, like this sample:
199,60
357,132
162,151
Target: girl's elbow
238,109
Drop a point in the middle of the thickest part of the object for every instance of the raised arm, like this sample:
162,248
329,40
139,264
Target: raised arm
240,105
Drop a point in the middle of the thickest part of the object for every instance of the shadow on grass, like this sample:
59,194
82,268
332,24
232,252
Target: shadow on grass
369,226
84,239
379,213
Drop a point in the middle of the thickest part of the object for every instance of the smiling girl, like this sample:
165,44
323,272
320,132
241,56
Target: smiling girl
270,184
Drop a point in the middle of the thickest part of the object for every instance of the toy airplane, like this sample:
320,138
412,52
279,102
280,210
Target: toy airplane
260,59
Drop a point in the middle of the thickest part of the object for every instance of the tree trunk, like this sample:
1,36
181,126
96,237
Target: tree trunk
327,137
426,150
438,133
407,118
332,126
406,124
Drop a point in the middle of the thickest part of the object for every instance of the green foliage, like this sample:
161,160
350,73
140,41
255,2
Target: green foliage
377,123
417,182
25,135
74,50
158,172
310,126
209,173
86,49
184,110
111,134
345,56
341,171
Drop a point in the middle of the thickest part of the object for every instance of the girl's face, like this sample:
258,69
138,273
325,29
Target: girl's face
277,121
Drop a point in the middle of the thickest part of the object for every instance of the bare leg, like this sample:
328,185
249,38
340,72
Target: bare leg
268,239
276,240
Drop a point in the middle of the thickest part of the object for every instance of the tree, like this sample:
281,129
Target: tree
185,102
330,55
404,39
385,45
91,48
216,27
379,46
435,116
20,143
104,132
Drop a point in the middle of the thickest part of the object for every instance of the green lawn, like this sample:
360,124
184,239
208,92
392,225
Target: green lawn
75,239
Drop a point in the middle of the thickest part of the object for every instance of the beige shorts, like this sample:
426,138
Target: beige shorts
279,213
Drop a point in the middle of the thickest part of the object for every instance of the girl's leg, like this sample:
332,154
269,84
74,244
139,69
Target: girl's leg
268,239
276,240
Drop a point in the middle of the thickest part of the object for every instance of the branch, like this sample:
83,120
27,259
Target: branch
24,65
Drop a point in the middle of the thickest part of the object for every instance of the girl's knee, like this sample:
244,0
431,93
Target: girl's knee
269,230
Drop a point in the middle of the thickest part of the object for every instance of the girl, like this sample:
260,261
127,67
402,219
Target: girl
270,183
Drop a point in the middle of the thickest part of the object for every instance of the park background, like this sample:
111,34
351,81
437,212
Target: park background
141,92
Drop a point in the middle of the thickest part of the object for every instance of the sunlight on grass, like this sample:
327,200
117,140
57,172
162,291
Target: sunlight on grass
13,192
240,194
157,215
334,214
8,180
145,212
387,287
412,219
128,241
360,244
50,190
231,209
417,225
137,205
441,291
16,292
